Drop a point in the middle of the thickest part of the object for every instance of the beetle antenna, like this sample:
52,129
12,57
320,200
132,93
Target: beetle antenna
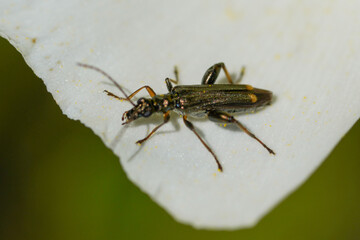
108,76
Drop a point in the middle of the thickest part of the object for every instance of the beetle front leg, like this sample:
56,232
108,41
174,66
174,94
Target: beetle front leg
113,95
149,90
217,116
166,119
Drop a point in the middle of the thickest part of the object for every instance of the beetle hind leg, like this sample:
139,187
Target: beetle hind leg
217,116
212,73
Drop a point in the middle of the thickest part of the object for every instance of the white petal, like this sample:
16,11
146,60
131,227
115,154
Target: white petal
305,52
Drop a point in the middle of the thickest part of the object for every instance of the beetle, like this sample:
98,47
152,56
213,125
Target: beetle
215,101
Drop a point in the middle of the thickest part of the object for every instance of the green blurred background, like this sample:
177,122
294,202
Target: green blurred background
59,181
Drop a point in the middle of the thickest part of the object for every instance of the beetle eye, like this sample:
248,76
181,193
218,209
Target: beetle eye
147,113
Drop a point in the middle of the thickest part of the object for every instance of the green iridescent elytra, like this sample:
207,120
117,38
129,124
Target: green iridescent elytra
198,100
214,101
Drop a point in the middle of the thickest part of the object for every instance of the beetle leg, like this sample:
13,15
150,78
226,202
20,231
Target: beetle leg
212,73
166,119
176,73
242,73
224,117
149,90
192,128
168,81
110,78
168,84
113,95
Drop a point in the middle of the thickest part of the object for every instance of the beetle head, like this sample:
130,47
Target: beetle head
143,108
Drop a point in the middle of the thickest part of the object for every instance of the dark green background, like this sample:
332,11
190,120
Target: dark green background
59,181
